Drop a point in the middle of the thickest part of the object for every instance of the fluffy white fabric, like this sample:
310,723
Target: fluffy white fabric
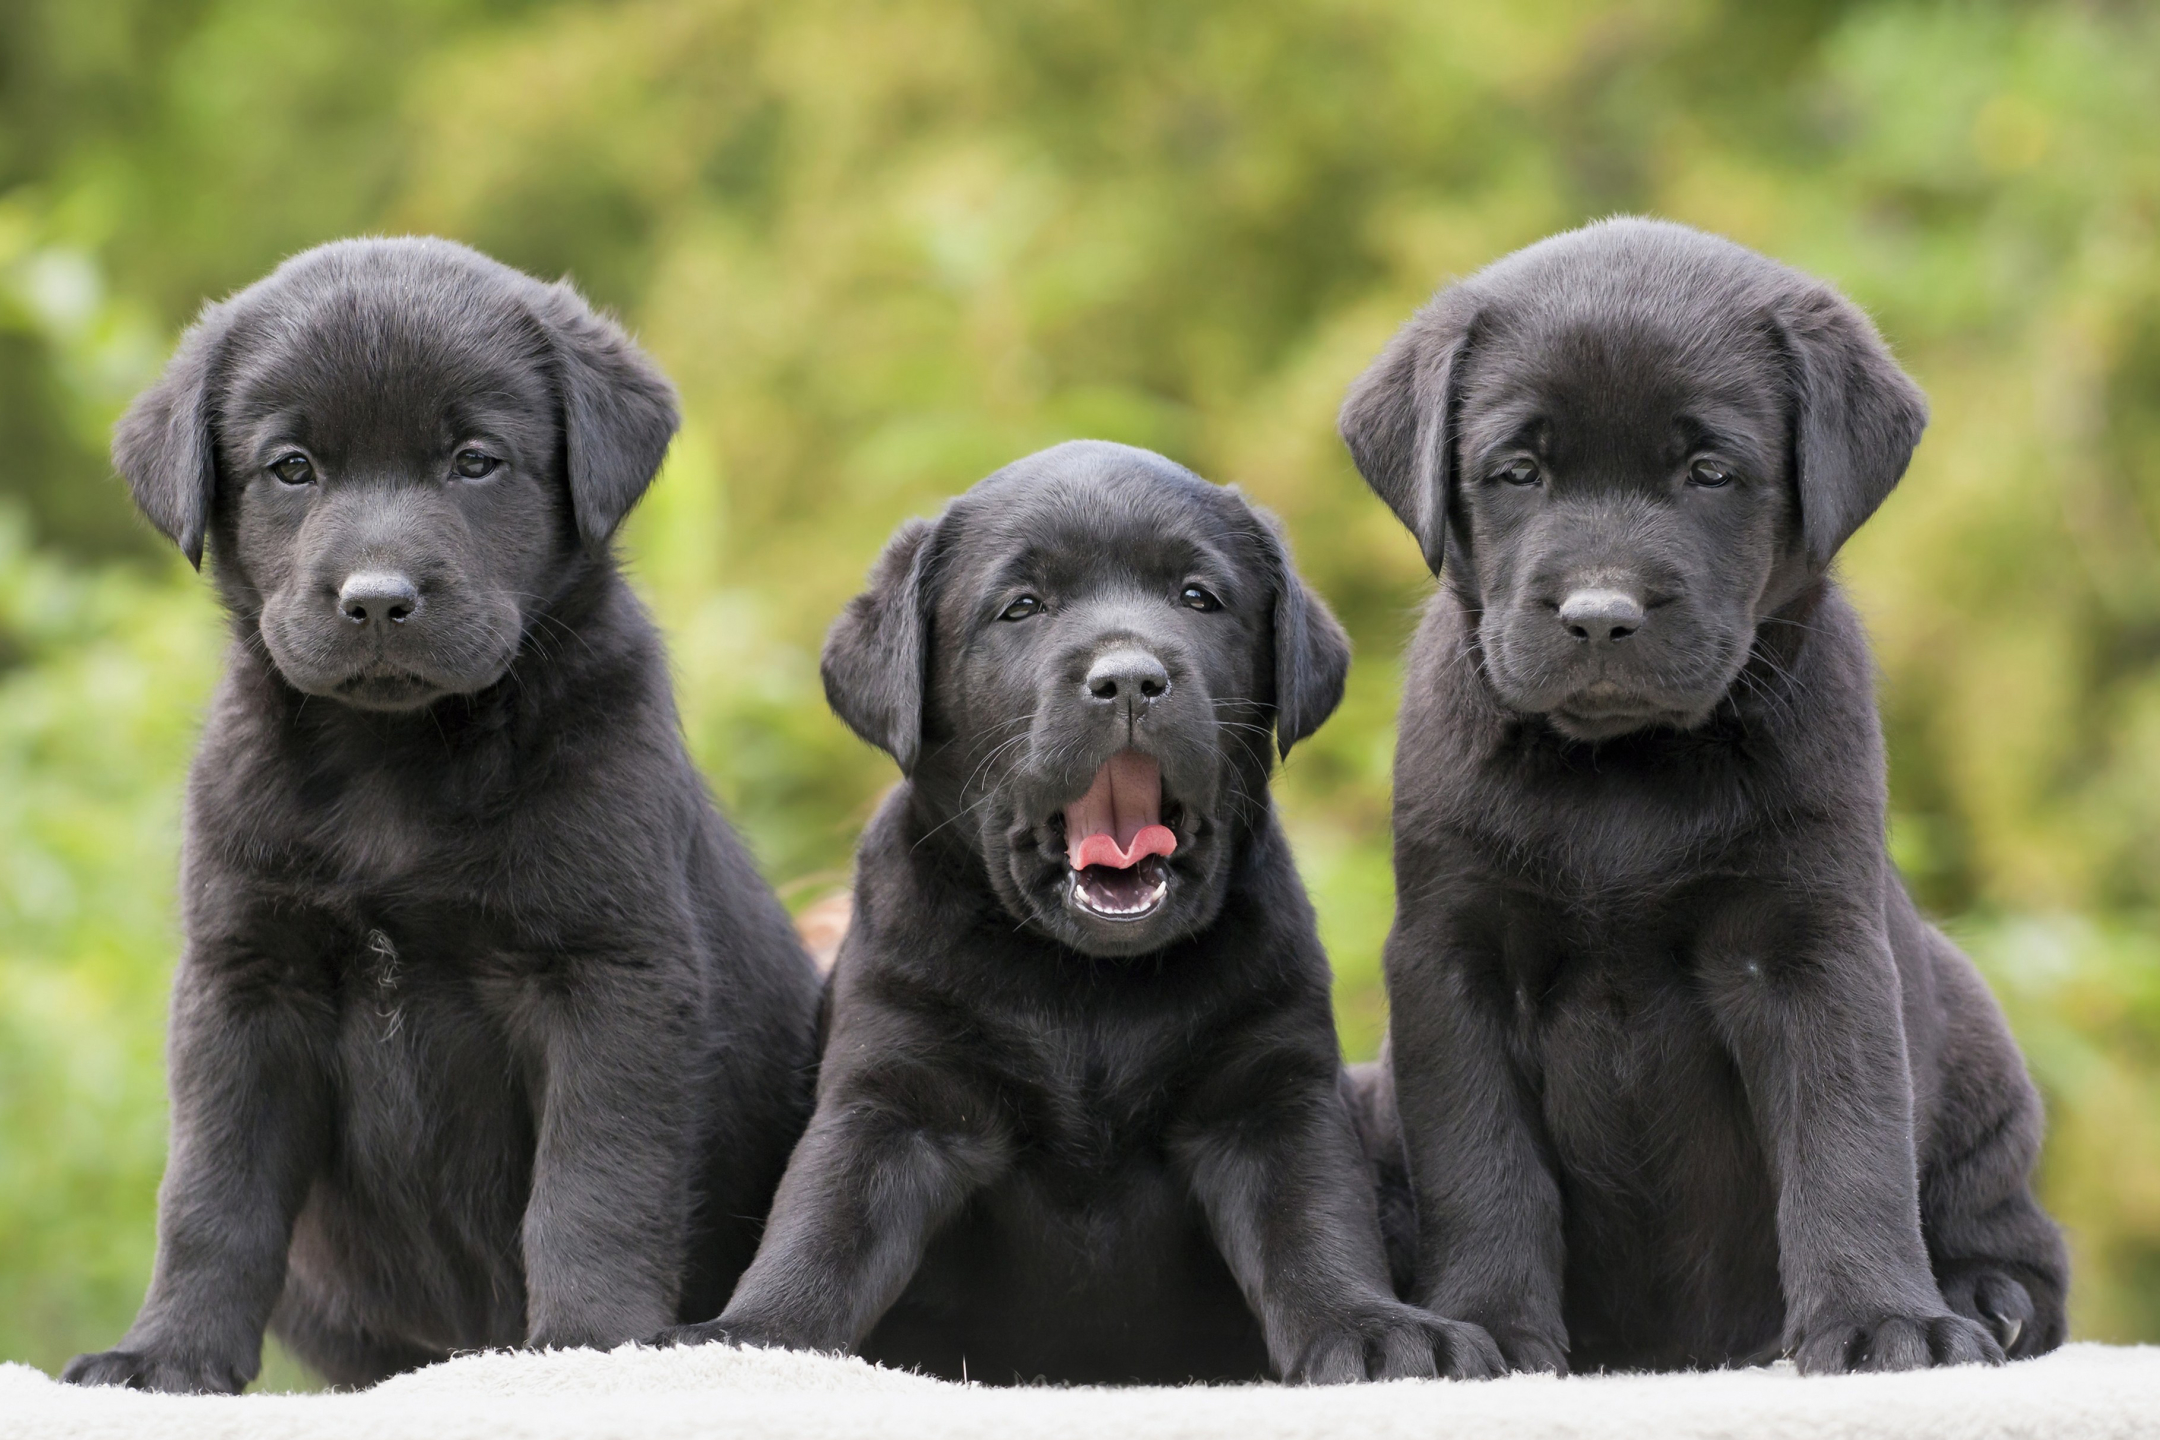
2085,1392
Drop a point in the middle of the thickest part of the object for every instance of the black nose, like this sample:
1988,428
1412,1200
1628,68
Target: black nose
377,597
1601,615
1129,676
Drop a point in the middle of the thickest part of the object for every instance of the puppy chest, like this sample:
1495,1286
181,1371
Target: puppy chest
1666,1191
1093,1107
424,1073
1636,1090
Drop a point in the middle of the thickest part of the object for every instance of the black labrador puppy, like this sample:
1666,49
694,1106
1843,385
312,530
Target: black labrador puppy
1080,1115
1683,1078
486,1031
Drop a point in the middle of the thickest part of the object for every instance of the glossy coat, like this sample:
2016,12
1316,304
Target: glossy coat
486,1031
1677,1074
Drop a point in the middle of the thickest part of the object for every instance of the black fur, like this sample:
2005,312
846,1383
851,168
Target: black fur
1682,1077
1048,1144
486,1031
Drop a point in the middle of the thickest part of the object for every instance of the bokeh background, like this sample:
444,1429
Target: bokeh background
886,246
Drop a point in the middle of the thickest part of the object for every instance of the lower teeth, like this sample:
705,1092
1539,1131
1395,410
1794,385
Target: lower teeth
1103,905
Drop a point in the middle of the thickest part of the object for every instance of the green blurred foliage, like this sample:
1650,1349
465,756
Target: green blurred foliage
885,246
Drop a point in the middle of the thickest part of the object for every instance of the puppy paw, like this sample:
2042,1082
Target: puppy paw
1896,1342
2001,1304
1528,1351
1396,1342
748,1333
155,1370
709,1332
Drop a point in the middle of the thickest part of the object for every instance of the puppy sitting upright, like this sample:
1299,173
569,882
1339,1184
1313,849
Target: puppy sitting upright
486,1032
1683,1078
1079,1115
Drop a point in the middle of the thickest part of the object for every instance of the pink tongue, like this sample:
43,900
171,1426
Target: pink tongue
1119,821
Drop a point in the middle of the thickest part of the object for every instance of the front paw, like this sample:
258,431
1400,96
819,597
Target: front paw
709,1332
1530,1351
748,1333
1894,1342
1393,1341
168,1373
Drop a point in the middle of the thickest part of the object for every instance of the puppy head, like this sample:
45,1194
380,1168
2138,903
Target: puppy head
1623,448
1083,666
400,452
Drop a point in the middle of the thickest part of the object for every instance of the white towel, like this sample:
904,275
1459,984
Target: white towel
2084,1392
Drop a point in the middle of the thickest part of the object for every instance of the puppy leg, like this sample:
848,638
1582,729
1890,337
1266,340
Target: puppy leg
863,1194
1489,1246
250,1117
1369,1091
1814,1029
1288,1197
1998,1257
606,1225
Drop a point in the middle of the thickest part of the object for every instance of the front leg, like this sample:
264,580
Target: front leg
250,1123
1490,1247
1809,1008
868,1186
607,1221
1286,1195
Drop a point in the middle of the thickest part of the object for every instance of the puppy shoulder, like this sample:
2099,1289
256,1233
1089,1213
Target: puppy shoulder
1449,713
899,908
1831,731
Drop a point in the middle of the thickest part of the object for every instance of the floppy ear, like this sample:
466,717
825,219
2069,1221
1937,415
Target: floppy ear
1856,419
1398,418
163,446
1312,654
619,412
877,651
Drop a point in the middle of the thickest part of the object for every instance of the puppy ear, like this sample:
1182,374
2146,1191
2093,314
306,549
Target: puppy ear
877,651
1398,419
1857,416
163,446
619,412
1312,654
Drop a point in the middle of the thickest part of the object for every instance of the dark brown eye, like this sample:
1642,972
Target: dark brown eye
475,464
1522,470
1708,474
293,469
1021,608
1198,598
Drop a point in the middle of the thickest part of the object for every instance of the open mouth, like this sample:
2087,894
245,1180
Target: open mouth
1116,843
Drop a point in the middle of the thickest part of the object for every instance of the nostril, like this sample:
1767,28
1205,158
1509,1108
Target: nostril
1129,676
377,596
1600,614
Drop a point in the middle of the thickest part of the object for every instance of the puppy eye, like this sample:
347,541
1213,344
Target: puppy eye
474,464
1021,608
1197,598
293,469
1708,474
1522,470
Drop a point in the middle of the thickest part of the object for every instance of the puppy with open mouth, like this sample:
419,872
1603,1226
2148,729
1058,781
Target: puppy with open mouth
1081,1112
